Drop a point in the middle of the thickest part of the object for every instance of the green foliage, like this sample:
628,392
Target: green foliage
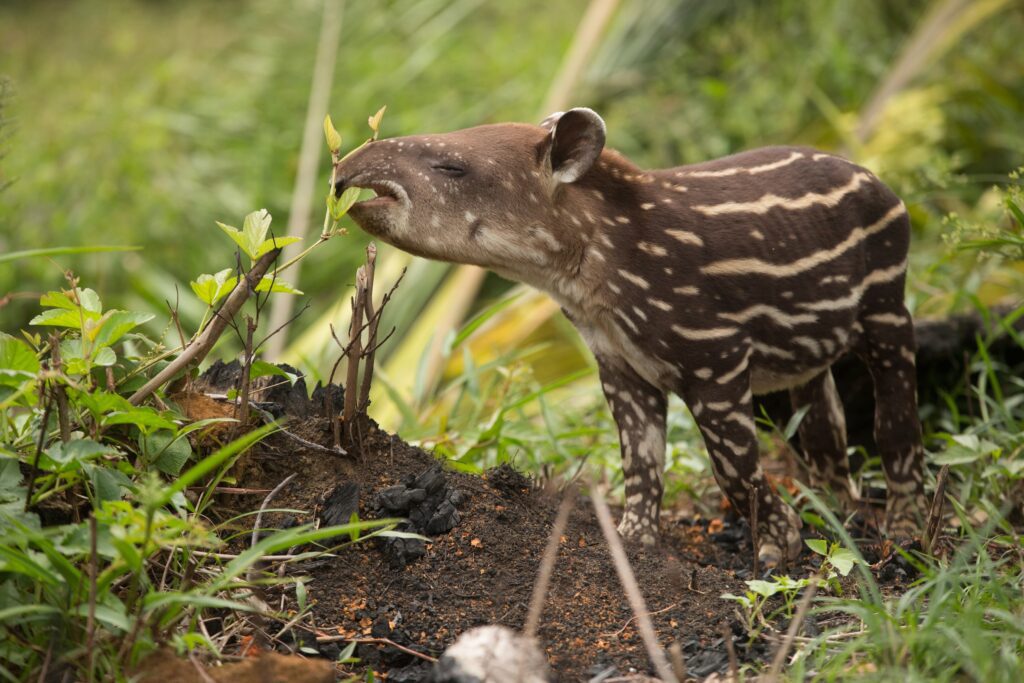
758,593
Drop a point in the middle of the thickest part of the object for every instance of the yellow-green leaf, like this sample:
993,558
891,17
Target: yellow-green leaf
332,135
374,121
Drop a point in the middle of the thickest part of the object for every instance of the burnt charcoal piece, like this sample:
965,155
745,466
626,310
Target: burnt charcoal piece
222,376
429,504
287,398
341,504
319,399
714,659
414,673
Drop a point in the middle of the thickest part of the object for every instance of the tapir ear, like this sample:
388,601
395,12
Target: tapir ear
577,138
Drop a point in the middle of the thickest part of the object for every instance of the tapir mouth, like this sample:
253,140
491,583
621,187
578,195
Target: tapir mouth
387,194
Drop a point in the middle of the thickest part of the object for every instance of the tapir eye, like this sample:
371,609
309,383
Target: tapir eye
449,169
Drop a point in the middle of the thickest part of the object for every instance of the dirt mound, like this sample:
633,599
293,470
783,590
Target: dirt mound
487,535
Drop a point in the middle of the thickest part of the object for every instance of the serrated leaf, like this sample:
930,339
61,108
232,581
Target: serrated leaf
332,135
255,230
765,589
270,284
117,324
275,243
211,288
62,317
235,234
57,300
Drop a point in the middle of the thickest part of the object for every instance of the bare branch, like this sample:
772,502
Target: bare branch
547,563
202,345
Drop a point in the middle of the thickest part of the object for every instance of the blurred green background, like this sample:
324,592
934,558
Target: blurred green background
142,123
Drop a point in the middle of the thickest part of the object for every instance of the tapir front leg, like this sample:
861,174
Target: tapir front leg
639,411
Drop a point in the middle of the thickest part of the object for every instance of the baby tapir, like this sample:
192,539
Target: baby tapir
739,276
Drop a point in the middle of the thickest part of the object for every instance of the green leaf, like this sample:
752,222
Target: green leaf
104,357
332,135
143,417
89,300
73,453
261,368
58,300
765,589
272,284
255,230
343,203
111,617
794,422
18,362
109,483
168,452
61,317
235,234
275,243
300,595
374,121
211,288
817,545
117,324
843,560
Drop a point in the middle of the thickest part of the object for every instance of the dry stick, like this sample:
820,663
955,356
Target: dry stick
309,153
794,627
245,380
755,537
629,585
202,345
375,641
935,512
547,564
374,323
355,341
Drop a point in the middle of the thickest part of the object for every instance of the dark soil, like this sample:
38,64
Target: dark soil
487,535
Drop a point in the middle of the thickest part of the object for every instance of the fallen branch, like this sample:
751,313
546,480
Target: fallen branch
375,641
197,350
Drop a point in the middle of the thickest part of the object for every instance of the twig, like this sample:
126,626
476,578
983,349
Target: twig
355,341
633,618
935,512
547,563
375,641
47,406
629,585
202,345
374,323
755,536
794,627
245,381
263,507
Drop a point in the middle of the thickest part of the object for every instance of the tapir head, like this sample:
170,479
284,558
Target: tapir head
492,195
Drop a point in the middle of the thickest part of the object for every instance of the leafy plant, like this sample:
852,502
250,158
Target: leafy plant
757,595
